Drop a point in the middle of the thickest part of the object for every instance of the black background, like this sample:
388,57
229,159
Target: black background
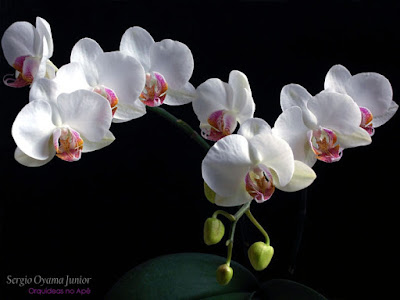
141,197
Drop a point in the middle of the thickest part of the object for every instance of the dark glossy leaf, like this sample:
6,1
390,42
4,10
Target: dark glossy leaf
182,276
282,289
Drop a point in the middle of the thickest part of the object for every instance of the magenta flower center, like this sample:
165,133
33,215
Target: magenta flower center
155,90
68,144
324,144
259,183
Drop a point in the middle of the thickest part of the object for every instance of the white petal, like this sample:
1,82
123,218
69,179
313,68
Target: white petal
136,42
238,80
184,95
85,53
28,161
126,77
253,127
89,146
382,119
360,137
19,40
296,95
242,103
86,112
290,127
336,112
44,31
173,60
371,90
33,128
336,78
240,197
303,176
212,95
276,154
226,164
129,112
70,78
46,90
41,72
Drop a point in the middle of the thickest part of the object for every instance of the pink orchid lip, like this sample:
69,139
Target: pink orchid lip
366,120
109,94
26,67
155,90
220,124
259,183
68,144
324,144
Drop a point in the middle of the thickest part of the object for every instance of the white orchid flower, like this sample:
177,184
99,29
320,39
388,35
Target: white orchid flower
371,91
220,106
168,65
319,127
116,76
28,49
249,165
64,126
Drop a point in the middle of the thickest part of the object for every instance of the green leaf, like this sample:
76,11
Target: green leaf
282,289
183,276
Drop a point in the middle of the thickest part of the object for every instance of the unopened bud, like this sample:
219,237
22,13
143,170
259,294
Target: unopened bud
214,231
224,274
260,255
209,193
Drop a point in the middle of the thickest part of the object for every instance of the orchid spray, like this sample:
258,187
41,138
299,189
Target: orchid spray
70,111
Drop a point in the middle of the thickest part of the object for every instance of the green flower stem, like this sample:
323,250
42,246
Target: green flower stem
225,214
181,125
229,243
259,227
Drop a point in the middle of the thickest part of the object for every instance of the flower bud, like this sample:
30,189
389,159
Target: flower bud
214,231
224,274
209,193
260,255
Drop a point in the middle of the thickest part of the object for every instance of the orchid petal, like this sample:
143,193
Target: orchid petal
296,95
212,95
303,176
242,100
226,164
86,112
382,119
85,52
44,31
71,77
253,127
46,90
19,40
360,137
137,42
336,111
125,76
184,95
336,78
290,127
28,161
89,146
371,90
276,154
241,196
173,60
32,129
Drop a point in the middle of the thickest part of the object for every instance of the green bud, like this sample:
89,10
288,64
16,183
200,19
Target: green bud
209,193
224,274
260,255
214,231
